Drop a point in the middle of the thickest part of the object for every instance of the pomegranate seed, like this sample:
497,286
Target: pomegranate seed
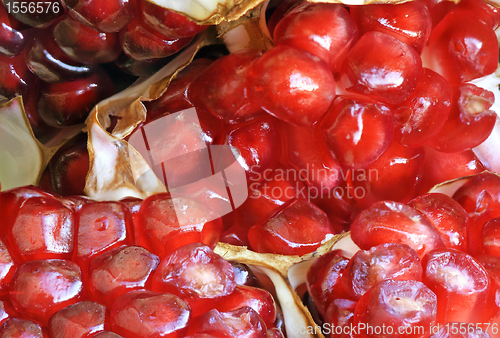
409,22
460,282
196,274
42,229
298,228
393,222
169,23
69,103
243,275
78,320
324,30
15,78
491,237
109,16
390,77
160,224
118,271
324,280
386,261
425,112
447,216
11,40
147,314
221,88
7,268
463,47
141,42
354,144
399,307
107,334
339,316
84,44
486,12
21,328
6,312
243,322
40,288
291,84
470,121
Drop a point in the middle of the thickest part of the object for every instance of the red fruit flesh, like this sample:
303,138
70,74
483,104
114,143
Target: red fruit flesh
15,78
109,16
460,282
409,22
325,30
221,88
259,300
339,316
160,224
69,103
243,322
147,314
258,144
463,47
425,112
345,127
196,274
101,226
399,307
491,237
7,268
84,44
169,23
43,229
386,261
447,216
21,328
470,121
390,77
40,288
299,228
78,320
118,271
291,84
11,40
485,11
324,280
393,222
141,42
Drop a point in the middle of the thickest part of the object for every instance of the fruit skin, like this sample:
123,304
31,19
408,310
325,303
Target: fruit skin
291,84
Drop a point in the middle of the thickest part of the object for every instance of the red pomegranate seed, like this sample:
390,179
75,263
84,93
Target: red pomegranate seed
324,280
78,320
345,127
176,96
196,274
463,47
298,228
404,308
395,176
11,40
6,311
385,261
43,228
439,9
141,42
339,317
120,270
69,166
15,78
84,44
164,233
390,77
107,334
460,282
45,59
221,88
279,12
291,84
101,226
447,216
243,322
169,23
243,275
470,121
324,30
258,299
69,103
7,268
425,112
40,288
21,328
409,22
109,16
491,237
275,333
485,11
393,222
258,144
147,314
